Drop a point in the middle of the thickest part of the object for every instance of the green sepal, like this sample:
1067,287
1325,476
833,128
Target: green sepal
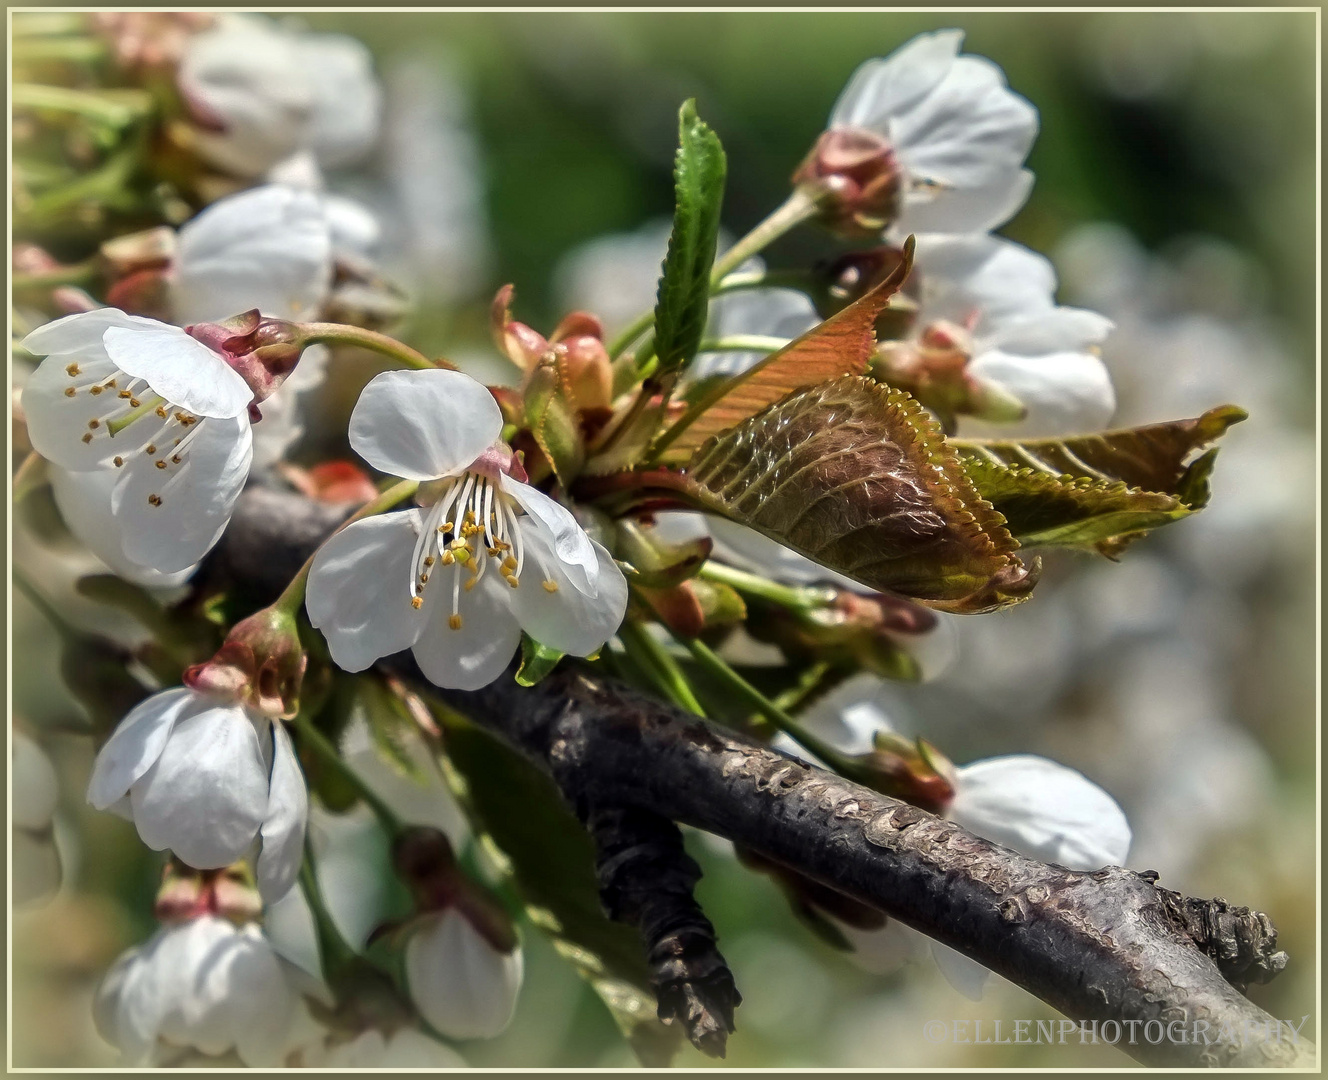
537,661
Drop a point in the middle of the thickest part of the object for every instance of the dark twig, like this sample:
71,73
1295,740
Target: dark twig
646,880
1108,945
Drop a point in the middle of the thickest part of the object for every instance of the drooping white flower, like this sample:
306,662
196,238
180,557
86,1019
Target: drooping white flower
162,411
207,779
461,984
206,984
264,92
420,579
990,302
33,797
1036,806
948,126
268,248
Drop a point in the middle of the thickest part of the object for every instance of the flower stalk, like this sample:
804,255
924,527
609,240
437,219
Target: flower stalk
319,333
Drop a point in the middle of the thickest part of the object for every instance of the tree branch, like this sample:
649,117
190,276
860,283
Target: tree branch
1107,945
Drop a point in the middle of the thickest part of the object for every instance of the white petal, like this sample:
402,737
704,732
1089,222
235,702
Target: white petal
359,590
56,423
997,279
240,998
354,227
459,982
268,248
77,334
183,371
965,975
205,795
411,1049
127,1007
880,89
1043,809
34,791
84,499
1059,329
346,96
883,951
568,620
850,715
283,827
569,541
196,496
976,208
969,131
1065,393
421,425
137,743
475,655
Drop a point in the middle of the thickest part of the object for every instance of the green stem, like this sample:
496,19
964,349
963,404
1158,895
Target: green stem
80,50
82,273
654,658
327,753
639,326
789,596
334,951
293,595
767,708
48,610
743,343
800,206
341,334
117,110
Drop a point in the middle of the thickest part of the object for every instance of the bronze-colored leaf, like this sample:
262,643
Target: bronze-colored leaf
841,345
857,476
1099,491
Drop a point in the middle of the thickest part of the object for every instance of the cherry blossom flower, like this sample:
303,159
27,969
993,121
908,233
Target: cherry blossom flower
207,779
927,140
205,984
262,93
421,579
163,412
461,984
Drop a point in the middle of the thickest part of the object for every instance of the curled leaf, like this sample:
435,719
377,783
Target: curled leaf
858,477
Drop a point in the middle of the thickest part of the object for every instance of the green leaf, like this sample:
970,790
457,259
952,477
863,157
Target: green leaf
536,661
656,563
551,417
553,861
1098,491
684,287
858,477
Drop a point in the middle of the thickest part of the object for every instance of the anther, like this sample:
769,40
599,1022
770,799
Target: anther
448,558
95,390
125,394
71,370
154,500
454,621
428,560
118,461
417,602
161,411
70,391
511,580
151,448
94,423
135,402
550,586
161,464
175,458
87,436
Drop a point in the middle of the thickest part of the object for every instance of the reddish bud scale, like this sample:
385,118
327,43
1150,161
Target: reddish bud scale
262,351
260,665
859,177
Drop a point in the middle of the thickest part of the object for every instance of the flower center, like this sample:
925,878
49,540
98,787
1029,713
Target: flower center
156,433
473,524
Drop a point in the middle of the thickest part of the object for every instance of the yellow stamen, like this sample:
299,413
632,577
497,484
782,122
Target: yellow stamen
118,461
550,586
71,370
95,390
70,391
161,412
161,464
151,448
154,500
417,602
94,423
448,558
428,560
87,437
125,394
454,621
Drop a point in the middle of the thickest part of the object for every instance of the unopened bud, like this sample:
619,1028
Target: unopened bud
152,249
856,176
260,664
261,350
916,772
331,481
515,340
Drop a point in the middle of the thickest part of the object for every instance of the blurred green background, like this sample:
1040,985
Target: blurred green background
1172,125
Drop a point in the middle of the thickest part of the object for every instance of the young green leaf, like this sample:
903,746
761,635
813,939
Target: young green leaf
858,477
536,661
684,288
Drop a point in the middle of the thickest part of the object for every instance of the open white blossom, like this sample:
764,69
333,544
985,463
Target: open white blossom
268,248
207,779
206,984
992,302
163,412
421,579
1036,806
461,984
958,134
264,93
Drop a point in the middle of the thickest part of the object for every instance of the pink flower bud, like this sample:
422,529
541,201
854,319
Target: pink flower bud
260,665
263,351
858,176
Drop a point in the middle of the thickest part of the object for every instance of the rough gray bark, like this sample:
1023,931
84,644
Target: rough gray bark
1102,946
